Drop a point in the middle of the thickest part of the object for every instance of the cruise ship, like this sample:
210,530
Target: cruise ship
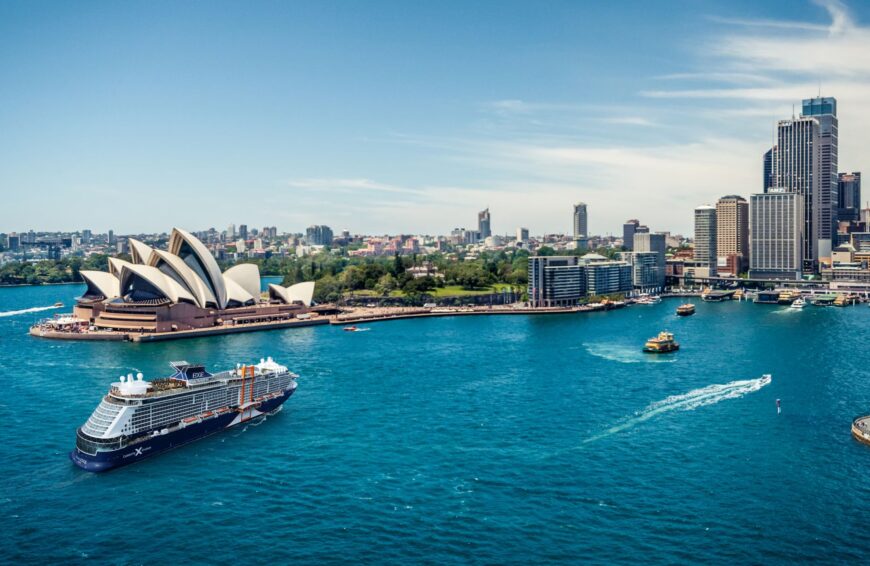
137,418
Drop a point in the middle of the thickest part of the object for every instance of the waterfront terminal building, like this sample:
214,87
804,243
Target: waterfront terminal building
563,281
182,288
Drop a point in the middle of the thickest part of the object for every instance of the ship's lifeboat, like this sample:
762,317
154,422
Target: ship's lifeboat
190,420
208,414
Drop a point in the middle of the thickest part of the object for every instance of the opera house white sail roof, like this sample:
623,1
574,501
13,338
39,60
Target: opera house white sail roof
185,272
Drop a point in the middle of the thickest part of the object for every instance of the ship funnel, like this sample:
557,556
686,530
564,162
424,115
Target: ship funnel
122,378
262,361
139,376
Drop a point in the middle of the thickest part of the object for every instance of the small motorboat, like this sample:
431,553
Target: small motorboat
686,309
799,303
355,329
58,304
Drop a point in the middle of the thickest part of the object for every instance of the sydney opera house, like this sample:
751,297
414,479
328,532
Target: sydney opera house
182,288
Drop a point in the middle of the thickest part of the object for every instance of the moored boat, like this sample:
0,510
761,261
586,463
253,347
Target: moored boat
661,344
686,309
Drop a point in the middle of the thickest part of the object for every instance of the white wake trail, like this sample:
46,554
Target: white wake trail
25,311
709,395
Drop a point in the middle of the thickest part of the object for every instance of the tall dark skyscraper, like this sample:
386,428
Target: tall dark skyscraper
849,197
483,224
796,163
628,231
768,170
243,231
581,225
824,109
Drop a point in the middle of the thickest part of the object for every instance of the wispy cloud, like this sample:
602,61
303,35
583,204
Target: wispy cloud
658,157
348,185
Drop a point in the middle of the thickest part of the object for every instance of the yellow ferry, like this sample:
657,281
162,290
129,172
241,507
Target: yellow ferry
661,344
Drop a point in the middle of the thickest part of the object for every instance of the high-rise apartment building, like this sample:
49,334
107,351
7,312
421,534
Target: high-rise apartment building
581,225
231,232
655,243
243,231
111,237
628,230
523,235
318,235
483,224
566,280
776,235
824,109
646,272
796,169
849,197
556,281
732,235
705,238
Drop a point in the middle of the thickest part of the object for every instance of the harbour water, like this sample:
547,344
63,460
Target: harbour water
470,439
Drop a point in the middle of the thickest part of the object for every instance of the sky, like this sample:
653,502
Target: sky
408,117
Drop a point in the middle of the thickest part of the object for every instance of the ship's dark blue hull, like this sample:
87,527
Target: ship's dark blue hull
104,461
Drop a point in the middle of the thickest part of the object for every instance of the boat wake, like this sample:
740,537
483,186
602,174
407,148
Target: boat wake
25,311
709,395
625,355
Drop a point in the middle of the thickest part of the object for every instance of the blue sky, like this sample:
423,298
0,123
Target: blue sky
387,117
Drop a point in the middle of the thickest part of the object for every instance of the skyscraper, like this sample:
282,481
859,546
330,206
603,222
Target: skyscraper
732,234
581,226
318,235
628,230
768,170
523,235
776,241
824,109
655,243
705,237
111,237
231,232
483,224
243,231
849,197
796,167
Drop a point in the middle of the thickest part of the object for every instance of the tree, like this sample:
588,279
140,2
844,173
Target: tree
418,286
398,265
386,284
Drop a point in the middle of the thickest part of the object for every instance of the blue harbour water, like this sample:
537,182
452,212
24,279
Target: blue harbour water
480,439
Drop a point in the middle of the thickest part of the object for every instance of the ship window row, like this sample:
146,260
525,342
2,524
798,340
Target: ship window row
167,413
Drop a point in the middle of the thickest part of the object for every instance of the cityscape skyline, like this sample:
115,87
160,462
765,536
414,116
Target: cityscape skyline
638,130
